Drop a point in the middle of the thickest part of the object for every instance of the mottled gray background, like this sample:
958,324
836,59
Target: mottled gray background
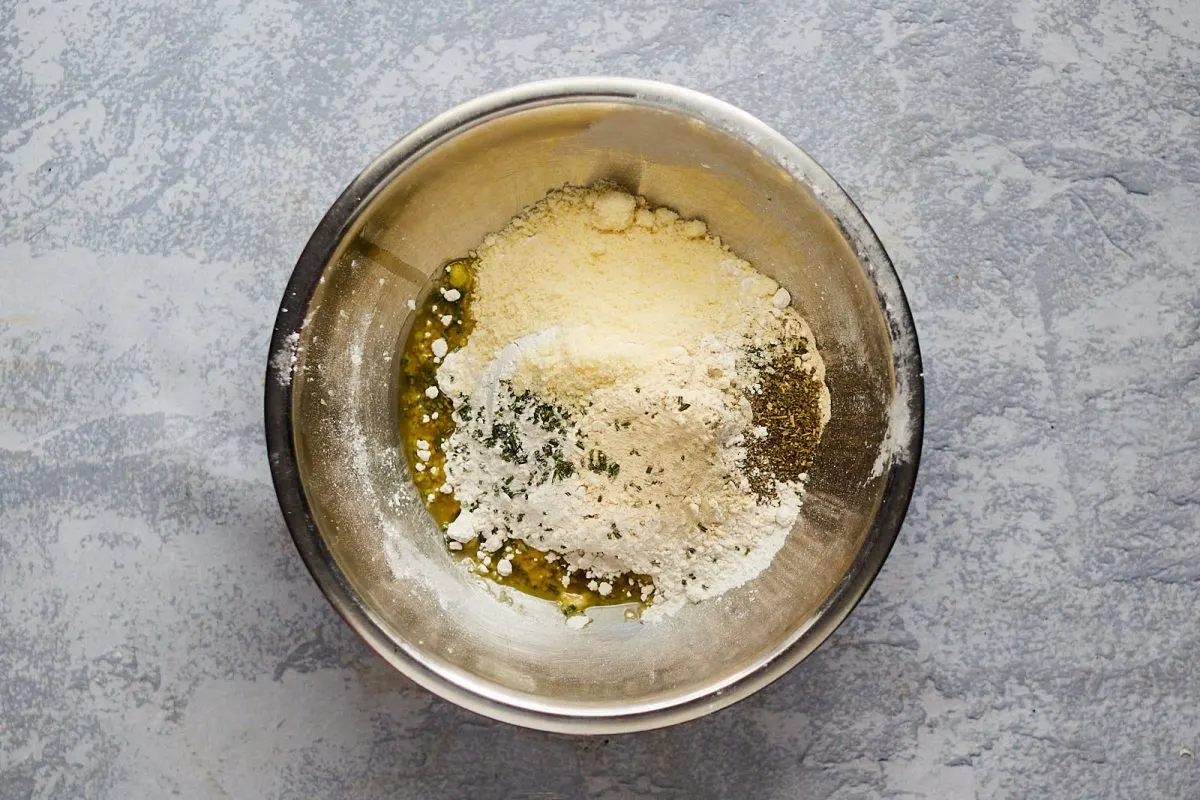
1034,169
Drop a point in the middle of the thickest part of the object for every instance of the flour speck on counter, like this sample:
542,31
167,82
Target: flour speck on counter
631,408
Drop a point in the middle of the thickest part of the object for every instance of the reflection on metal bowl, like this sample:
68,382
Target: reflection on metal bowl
333,438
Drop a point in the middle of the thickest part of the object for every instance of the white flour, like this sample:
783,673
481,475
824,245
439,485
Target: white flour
284,361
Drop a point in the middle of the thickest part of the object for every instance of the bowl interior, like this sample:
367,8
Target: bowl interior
438,204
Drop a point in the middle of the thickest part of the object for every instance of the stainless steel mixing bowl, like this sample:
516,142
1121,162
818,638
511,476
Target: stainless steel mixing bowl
331,414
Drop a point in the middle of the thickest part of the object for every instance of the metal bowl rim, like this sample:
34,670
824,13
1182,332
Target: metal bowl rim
527,710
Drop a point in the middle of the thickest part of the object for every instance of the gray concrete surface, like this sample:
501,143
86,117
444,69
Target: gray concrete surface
1034,169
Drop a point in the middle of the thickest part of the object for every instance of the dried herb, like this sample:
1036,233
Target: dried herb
597,462
505,439
788,405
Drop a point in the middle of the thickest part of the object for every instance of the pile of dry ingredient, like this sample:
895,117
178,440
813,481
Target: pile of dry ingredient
604,395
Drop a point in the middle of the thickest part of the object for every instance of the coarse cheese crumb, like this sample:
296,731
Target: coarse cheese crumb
614,211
